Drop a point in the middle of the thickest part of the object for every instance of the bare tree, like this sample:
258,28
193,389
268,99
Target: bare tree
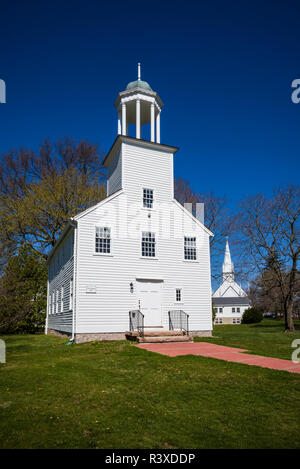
40,191
270,229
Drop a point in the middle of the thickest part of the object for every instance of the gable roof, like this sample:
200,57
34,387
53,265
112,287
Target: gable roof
228,301
193,217
72,222
68,227
99,204
126,139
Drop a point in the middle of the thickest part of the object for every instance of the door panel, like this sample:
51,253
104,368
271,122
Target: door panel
150,299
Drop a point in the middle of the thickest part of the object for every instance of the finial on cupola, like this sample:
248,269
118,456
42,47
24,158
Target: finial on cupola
139,71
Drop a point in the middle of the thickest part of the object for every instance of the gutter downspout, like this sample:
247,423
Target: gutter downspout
74,224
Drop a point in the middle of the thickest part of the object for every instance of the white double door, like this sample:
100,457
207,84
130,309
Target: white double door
149,294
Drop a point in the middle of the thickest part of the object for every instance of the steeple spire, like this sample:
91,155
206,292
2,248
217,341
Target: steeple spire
139,71
228,267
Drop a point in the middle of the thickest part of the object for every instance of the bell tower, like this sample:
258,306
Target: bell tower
139,105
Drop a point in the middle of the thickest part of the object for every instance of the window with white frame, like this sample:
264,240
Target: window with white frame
57,301
71,295
148,198
233,310
53,302
238,310
178,294
220,310
102,240
50,304
148,244
190,251
62,299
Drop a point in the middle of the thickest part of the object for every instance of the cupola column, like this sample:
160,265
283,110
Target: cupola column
138,118
119,123
158,127
152,122
124,126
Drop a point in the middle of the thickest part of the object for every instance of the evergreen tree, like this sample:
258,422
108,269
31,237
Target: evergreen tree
23,292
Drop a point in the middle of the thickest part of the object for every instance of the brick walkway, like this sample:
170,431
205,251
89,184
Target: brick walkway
229,354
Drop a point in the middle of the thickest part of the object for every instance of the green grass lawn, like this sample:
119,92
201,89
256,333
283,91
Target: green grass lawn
266,338
114,395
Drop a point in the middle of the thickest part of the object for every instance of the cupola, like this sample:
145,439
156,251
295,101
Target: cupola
139,105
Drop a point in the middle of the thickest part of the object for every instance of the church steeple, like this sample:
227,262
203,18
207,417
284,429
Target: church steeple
139,105
228,267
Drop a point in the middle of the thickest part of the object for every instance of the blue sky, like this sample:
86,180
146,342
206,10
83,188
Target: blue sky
223,69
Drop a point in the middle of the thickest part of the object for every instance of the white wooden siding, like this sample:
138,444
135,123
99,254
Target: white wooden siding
60,272
227,311
114,176
104,298
152,169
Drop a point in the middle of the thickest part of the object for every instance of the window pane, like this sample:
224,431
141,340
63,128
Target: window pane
148,244
190,248
102,240
148,198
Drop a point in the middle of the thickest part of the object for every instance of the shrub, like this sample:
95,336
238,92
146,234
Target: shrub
252,315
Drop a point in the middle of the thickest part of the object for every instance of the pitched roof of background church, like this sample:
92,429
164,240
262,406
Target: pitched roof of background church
227,300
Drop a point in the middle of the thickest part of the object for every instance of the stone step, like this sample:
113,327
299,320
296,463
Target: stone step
154,333
162,333
157,339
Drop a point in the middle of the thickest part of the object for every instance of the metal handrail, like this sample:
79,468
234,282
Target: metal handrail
178,319
136,321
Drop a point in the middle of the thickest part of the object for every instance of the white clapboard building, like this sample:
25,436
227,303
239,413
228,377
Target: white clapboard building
138,260
229,300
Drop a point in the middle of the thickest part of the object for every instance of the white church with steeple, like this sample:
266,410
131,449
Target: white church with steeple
229,300
137,264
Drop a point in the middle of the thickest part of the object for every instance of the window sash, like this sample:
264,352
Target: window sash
178,294
102,240
57,301
148,244
71,295
148,198
190,248
62,299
